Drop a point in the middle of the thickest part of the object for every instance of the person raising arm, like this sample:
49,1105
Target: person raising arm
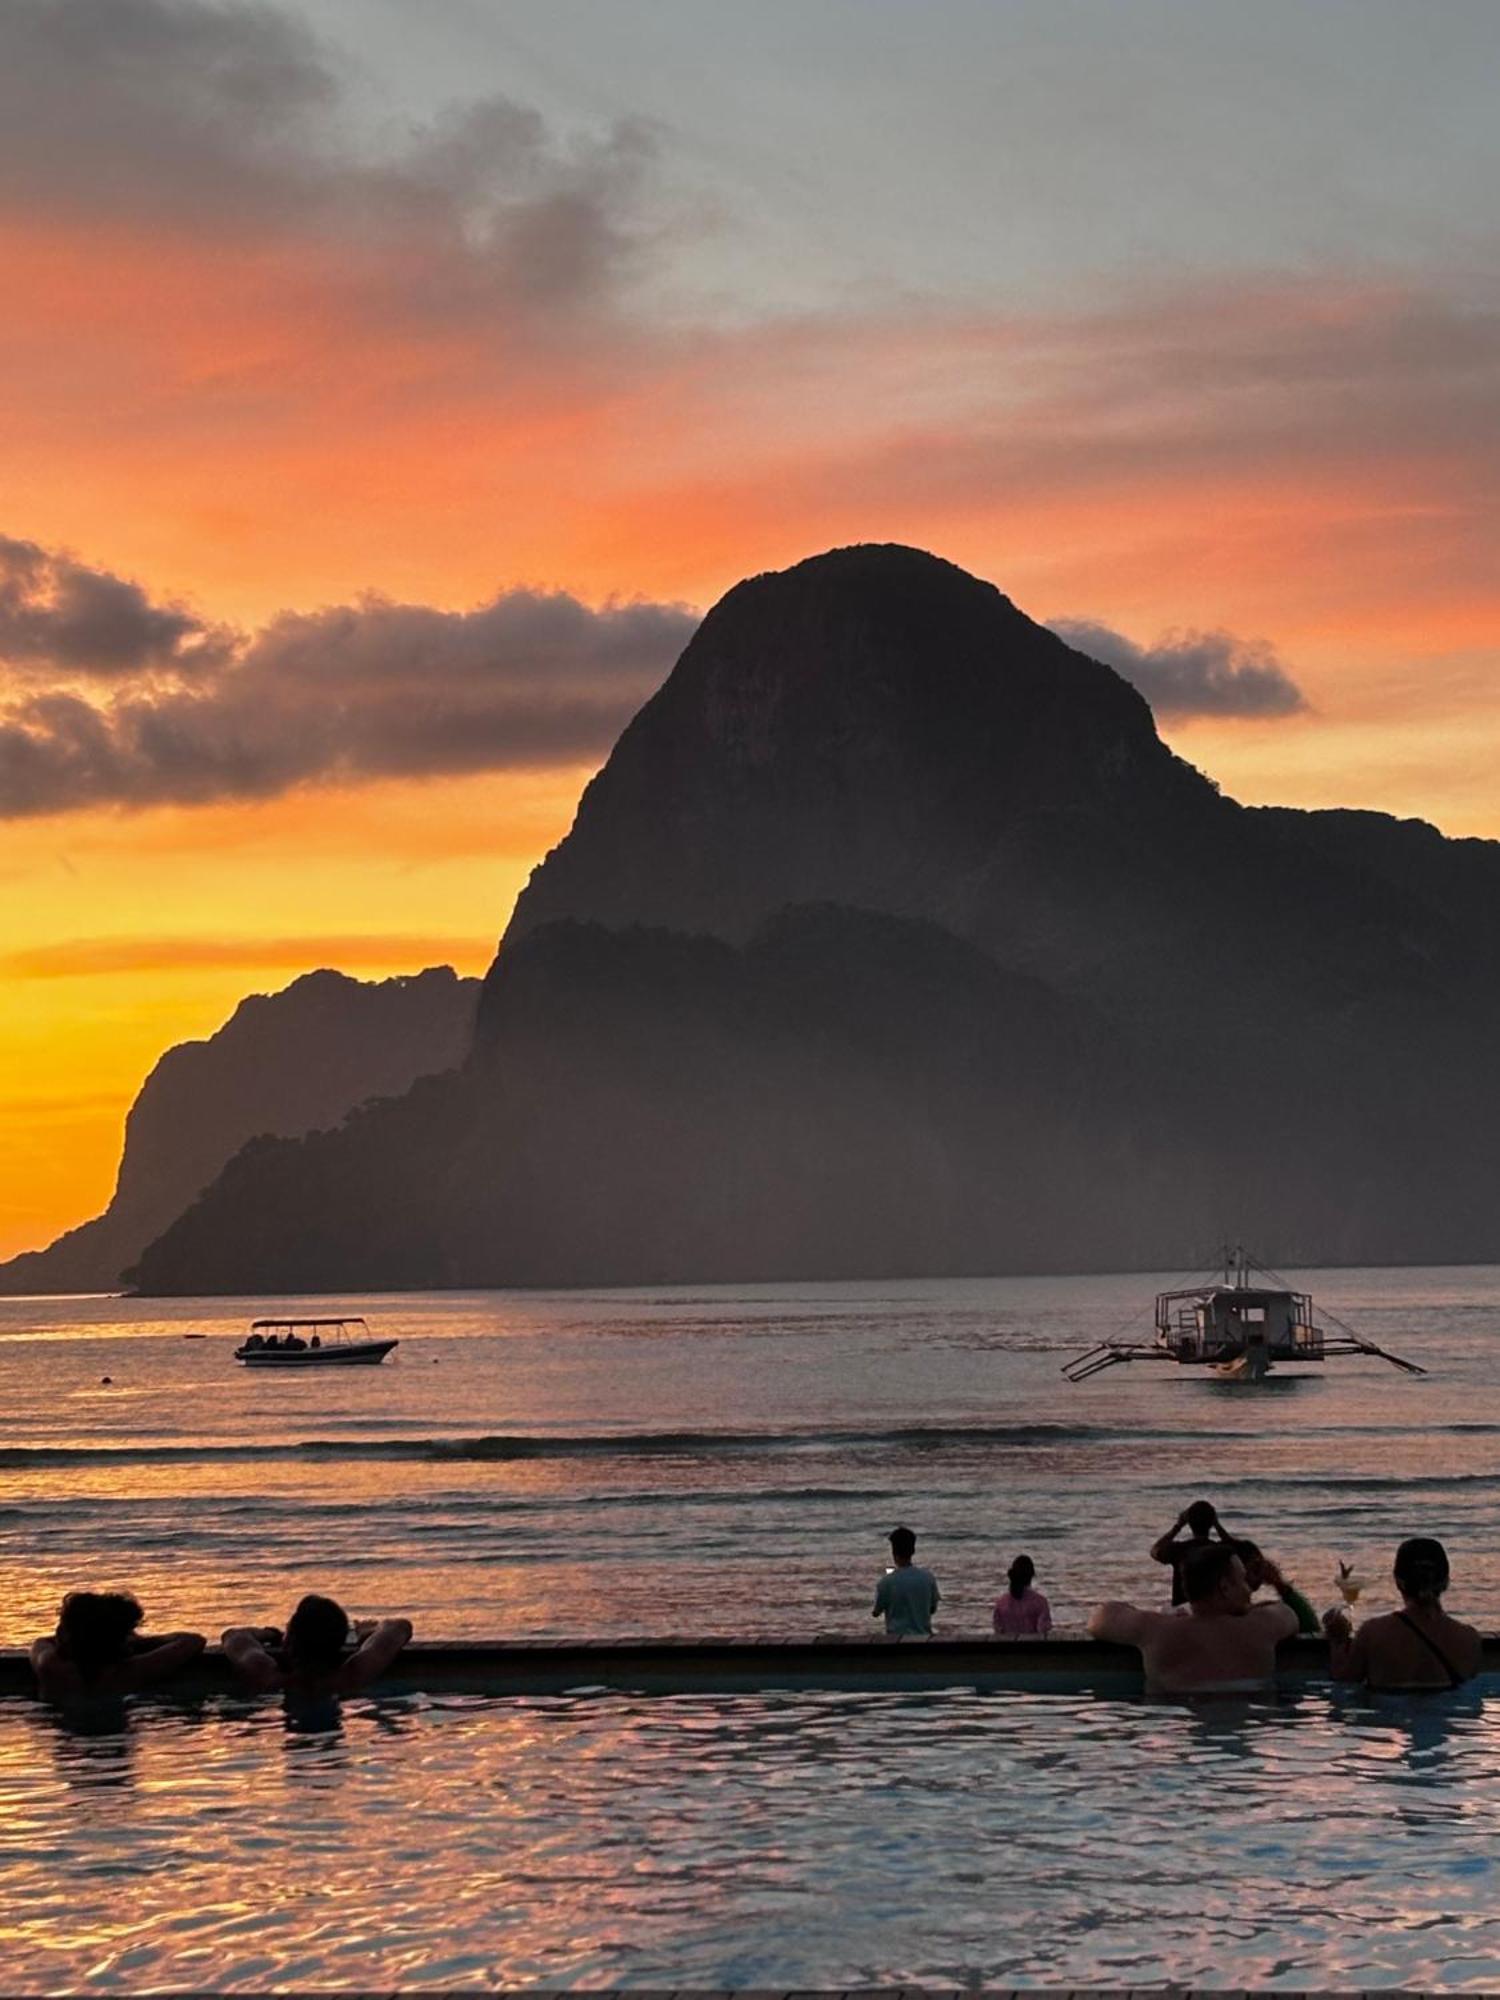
1261,1571
1202,1522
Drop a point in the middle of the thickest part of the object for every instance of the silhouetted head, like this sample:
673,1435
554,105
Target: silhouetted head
903,1544
1252,1560
1022,1570
1422,1570
94,1627
1201,1517
1214,1579
317,1632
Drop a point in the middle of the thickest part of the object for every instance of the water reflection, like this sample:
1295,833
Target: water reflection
832,1840
104,1718
318,1716
95,1751
1427,1752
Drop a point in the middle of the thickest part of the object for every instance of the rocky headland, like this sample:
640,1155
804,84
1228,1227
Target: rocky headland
892,939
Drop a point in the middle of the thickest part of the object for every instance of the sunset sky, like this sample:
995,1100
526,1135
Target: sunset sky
388,386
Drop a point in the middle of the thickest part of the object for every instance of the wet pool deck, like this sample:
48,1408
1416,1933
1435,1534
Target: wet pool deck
748,1666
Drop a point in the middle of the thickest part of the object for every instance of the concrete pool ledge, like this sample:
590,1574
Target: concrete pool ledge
747,1666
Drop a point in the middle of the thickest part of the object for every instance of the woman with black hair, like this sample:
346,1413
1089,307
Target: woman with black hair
1419,1646
1021,1612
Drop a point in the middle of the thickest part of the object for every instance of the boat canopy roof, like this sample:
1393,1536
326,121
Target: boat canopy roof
261,1325
1237,1295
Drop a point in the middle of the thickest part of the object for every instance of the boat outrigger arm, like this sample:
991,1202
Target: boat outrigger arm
1109,1353
1238,1325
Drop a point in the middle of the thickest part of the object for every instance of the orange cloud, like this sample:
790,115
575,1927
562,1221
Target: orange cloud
273,364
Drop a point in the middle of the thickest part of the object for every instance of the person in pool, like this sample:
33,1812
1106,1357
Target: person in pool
1222,1644
312,1658
1419,1646
1202,1523
96,1649
1262,1573
1022,1612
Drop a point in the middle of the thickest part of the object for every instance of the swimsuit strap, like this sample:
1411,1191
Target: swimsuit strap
1455,1679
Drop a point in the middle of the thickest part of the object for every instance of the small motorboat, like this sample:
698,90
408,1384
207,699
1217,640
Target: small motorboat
312,1343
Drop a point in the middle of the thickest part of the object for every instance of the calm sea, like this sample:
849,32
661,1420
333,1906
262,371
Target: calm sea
723,1460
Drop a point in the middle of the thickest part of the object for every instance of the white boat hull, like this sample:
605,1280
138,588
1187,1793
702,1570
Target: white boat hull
1253,1366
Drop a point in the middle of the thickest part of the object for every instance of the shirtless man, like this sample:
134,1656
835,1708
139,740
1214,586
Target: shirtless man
311,1660
95,1651
1222,1643
1419,1646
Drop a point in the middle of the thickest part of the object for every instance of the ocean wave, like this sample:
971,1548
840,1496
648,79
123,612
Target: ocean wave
610,1444
1360,1482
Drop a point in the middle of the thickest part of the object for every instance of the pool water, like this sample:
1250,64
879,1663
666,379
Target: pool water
1320,1840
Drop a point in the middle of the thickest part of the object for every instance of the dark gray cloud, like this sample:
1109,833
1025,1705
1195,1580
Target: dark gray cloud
232,121
1192,673
344,695
116,700
59,617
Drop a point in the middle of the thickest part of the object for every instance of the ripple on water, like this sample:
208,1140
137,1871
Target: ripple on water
830,1839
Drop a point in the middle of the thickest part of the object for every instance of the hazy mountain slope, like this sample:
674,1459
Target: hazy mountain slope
284,1063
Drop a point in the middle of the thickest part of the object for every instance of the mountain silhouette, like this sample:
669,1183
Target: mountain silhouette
892,939
285,1064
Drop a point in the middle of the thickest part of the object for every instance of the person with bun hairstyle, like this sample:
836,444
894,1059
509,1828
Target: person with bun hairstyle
1419,1646
95,1650
1021,1612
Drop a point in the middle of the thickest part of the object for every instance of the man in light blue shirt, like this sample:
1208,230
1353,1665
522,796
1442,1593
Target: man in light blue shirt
907,1595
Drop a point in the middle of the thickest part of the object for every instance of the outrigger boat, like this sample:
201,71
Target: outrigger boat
1236,1328
311,1343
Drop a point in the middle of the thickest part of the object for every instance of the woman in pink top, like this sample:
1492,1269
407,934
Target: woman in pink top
1021,1612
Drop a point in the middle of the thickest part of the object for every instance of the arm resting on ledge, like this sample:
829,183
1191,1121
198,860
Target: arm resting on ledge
245,1649
1121,1623
376,1652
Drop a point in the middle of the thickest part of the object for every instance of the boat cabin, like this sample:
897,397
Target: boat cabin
1219,1322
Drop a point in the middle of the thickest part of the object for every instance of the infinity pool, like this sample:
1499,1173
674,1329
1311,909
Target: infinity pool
771,1840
